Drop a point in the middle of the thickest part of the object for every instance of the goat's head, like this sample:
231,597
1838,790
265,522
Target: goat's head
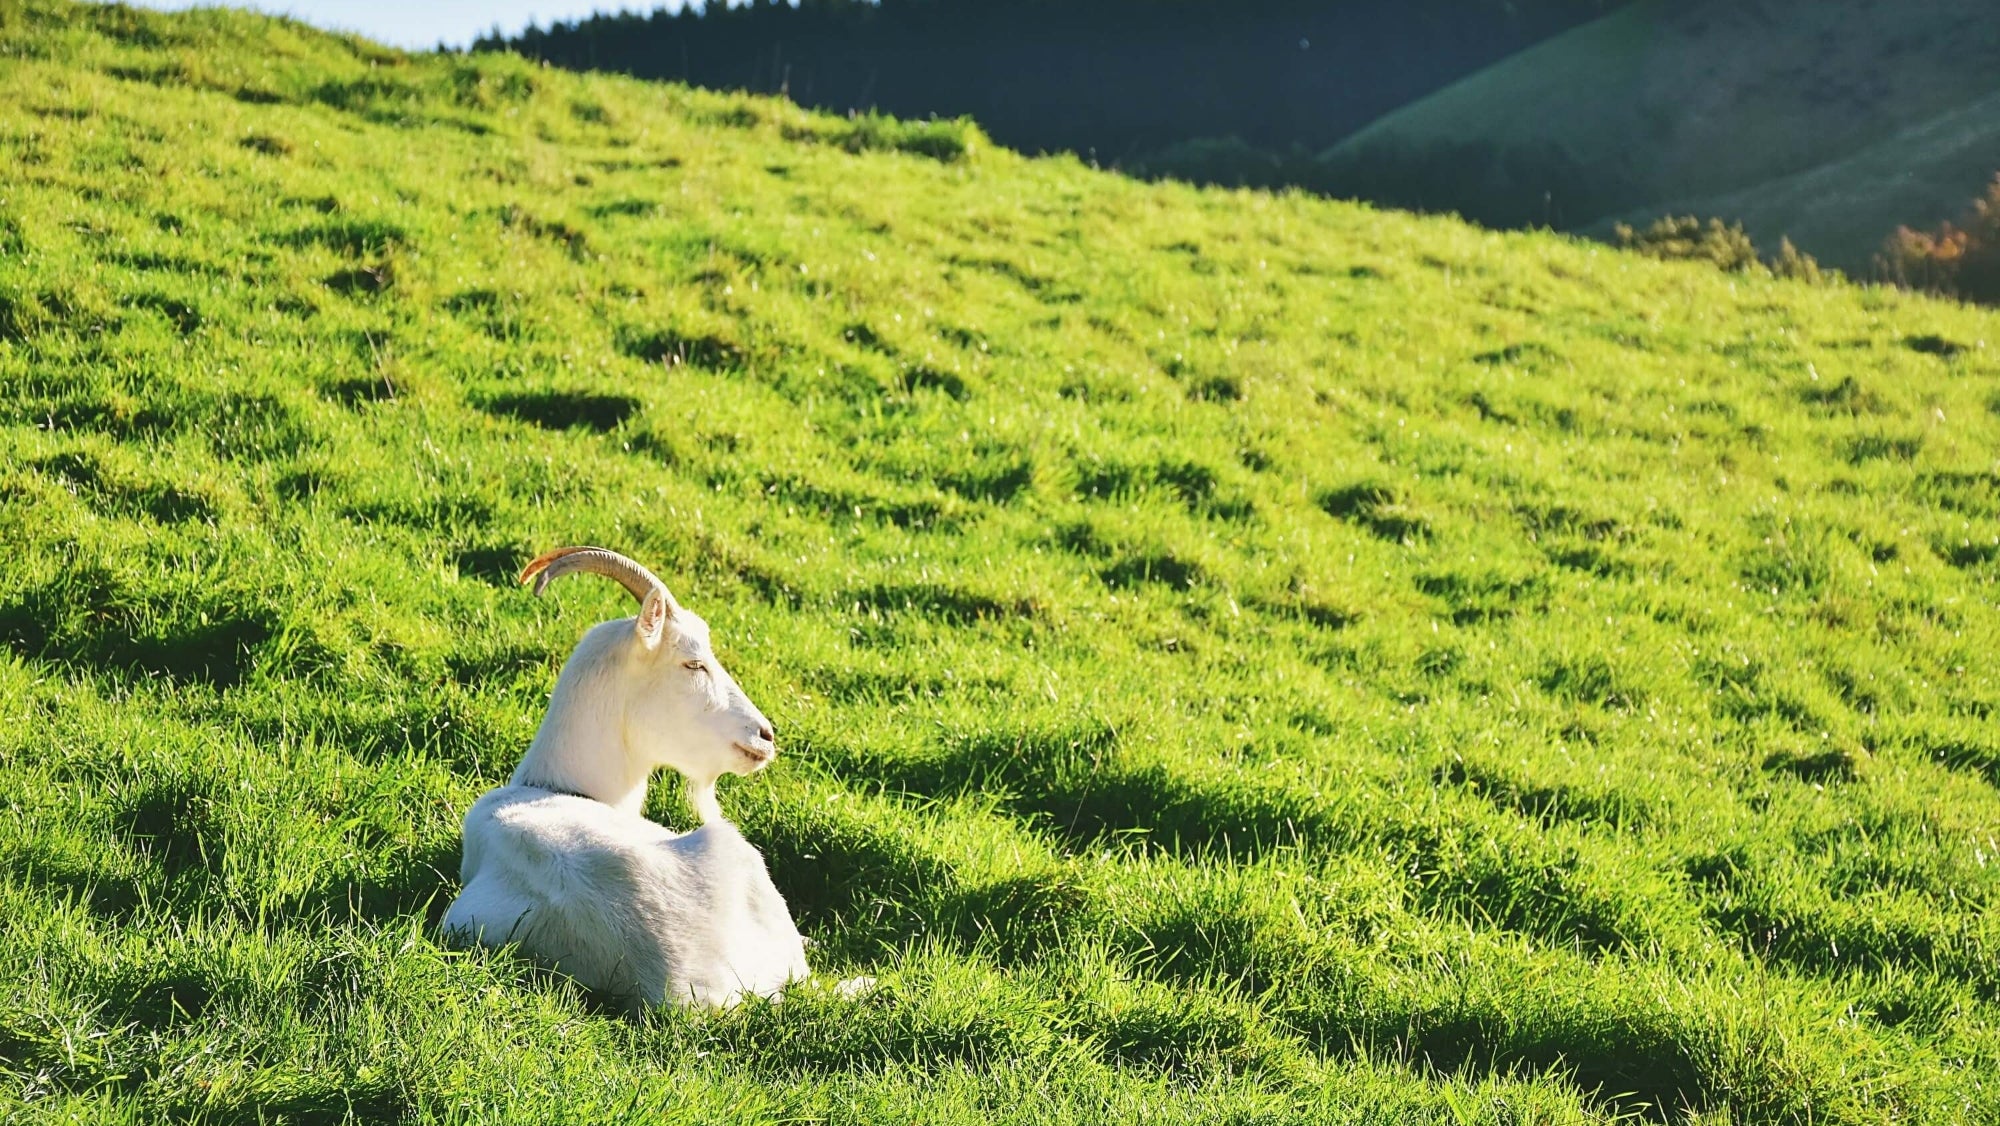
681,708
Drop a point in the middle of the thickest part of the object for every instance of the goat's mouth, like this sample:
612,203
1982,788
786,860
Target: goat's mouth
759,756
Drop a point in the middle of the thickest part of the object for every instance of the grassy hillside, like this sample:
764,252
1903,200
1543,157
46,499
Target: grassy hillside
1668,105
1237,658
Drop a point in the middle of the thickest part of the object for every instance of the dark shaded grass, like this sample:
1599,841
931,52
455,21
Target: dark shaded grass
1379,508
1634,1064
565,410
91,620
121,494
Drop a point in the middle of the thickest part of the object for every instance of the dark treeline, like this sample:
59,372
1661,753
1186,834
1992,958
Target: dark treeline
1127,82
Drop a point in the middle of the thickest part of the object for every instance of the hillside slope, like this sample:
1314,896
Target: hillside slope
1236,658
1663,102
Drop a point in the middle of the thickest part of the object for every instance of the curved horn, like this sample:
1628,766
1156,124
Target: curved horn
553,565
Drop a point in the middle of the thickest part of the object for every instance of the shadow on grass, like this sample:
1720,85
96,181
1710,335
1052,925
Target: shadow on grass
186,319
1474,596
962,1019
1632,1061
1076,788
1073,783
1548,804
952,604
1931,344
1193,485
996,480
1776,920
497,566
118,495
419,881
1124,566
371,1102
859,888
160,994
360,391
350,237
479,663
1633,1064
70,620
673,349
856,887
1164,567
176,823
111,896
1978,756
362,281
445,724
566,410
1379,508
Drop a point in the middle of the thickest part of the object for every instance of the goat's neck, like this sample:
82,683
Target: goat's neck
581,748
701,795
585,744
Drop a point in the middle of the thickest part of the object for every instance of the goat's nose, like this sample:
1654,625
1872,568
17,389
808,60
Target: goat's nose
765,733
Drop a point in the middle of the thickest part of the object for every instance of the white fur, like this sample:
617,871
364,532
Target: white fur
560,863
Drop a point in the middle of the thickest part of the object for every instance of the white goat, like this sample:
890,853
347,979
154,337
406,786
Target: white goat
560,863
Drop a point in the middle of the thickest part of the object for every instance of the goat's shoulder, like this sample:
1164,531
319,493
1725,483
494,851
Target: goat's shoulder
552,815
528,827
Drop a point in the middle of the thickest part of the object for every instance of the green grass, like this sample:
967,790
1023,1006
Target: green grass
1828,121
1237,658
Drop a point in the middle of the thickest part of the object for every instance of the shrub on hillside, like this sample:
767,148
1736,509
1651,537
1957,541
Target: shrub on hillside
1958,259
1791,262
1727,246
1685,236
944,139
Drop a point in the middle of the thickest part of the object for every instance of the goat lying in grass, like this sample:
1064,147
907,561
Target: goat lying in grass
560,863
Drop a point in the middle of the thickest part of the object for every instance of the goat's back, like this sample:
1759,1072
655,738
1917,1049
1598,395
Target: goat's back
622,904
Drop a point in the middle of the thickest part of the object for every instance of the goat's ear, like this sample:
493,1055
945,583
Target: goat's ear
653,615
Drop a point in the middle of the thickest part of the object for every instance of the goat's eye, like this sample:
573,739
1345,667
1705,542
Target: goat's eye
694,666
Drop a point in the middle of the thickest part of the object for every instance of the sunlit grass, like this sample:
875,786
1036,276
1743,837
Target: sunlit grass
1236,657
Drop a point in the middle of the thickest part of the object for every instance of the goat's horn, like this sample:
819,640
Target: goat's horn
562,561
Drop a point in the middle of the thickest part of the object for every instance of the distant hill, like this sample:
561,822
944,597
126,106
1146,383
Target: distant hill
1117,80
1842,210
1830,120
